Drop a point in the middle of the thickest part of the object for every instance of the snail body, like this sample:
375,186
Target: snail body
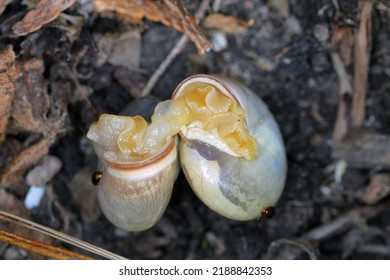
232,185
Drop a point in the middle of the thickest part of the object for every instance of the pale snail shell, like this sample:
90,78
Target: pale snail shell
232,186
134,195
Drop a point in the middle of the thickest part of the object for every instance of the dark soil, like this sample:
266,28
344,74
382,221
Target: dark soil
283,58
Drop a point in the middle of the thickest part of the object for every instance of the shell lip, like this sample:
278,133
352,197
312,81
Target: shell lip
216,80
169,148
221,85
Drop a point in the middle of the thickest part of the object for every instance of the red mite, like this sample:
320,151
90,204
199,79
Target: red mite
96,177
268,212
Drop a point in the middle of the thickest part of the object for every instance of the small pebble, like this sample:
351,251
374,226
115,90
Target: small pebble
41,174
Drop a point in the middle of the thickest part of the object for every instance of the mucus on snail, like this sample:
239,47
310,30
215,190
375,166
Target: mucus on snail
230,148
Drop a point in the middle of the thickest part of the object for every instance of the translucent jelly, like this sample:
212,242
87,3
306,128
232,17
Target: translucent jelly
203,106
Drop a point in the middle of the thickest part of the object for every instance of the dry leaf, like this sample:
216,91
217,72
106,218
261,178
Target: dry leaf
31,103
7,58
3,5
33,109
44,12
169,12
8,74
227,24
7,90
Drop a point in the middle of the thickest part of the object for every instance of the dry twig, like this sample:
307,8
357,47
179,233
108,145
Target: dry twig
345,221
362,60
59,236
351,111
173,53
40,247
180,45
342,124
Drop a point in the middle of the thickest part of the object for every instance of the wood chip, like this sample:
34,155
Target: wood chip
7,87
45,11
227,24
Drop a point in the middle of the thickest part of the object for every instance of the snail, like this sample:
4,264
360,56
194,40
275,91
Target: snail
239,174
135,187
230,148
